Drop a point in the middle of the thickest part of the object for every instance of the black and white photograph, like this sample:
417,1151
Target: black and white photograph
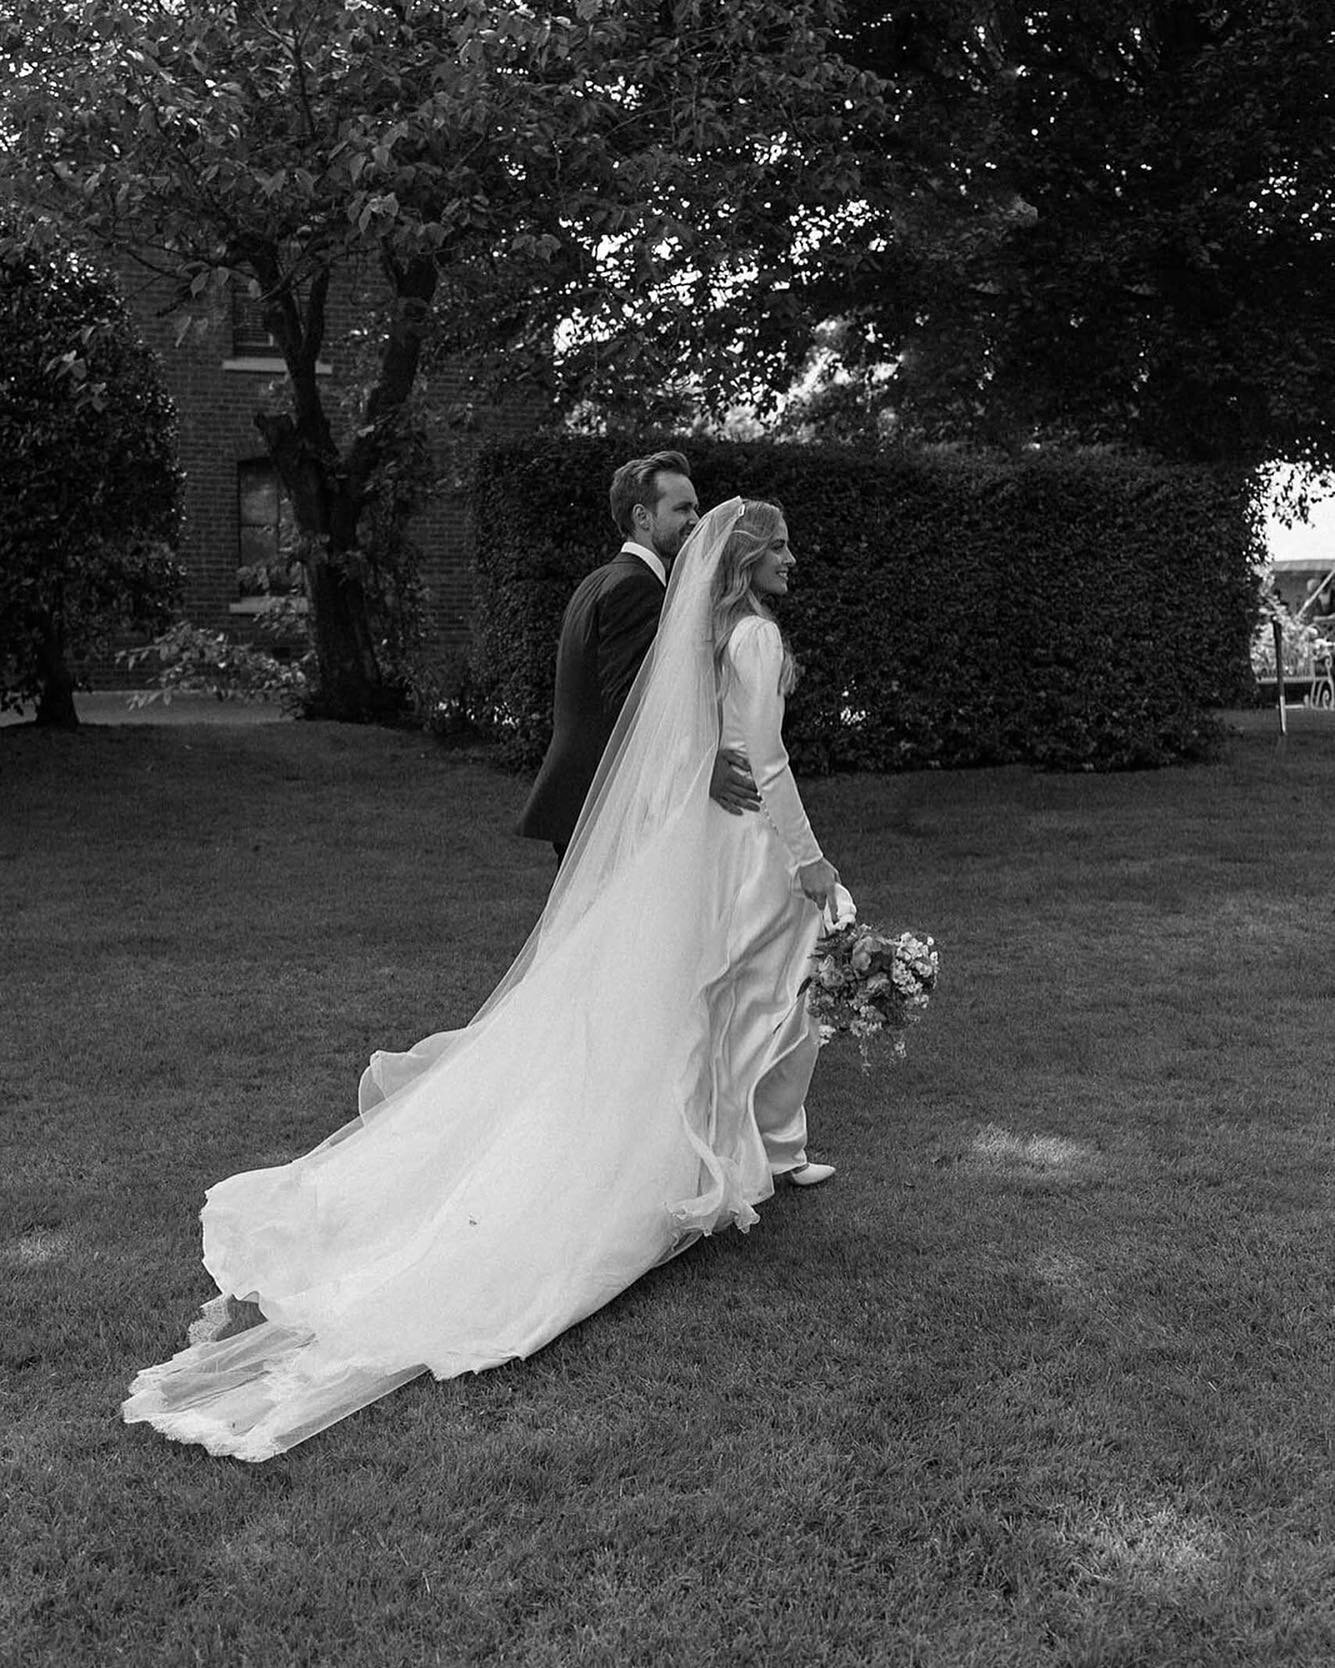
667,826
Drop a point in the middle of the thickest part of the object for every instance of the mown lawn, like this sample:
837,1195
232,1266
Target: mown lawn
1044,1376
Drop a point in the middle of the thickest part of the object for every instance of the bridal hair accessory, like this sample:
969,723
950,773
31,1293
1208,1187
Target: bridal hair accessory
867,983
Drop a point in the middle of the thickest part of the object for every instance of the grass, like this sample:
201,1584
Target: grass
1044,1377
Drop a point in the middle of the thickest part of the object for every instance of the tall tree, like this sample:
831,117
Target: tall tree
516,175
1147,256
89,489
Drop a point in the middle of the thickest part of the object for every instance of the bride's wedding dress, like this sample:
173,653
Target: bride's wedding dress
635,1081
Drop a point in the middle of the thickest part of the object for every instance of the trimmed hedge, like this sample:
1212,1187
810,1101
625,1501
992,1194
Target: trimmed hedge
1076,612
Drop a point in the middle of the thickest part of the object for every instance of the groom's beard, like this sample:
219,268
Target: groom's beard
668,557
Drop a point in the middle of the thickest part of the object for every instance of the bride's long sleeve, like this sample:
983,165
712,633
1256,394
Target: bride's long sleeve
756,651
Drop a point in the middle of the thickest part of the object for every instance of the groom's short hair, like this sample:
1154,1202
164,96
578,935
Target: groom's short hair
636,482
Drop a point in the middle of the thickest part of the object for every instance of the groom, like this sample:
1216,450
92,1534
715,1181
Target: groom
608,627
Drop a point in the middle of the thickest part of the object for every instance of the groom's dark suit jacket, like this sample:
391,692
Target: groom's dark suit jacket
605,634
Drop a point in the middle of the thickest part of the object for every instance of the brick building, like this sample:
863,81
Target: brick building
220,366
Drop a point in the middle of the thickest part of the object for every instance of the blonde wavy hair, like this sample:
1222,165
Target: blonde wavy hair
731,596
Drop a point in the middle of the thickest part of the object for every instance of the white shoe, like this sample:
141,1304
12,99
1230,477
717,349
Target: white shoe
809,1175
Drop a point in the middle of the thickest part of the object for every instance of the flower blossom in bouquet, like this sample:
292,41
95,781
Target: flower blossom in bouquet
869,984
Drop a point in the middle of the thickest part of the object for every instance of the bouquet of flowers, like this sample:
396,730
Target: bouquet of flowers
868,984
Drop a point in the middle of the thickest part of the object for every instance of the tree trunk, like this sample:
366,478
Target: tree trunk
329,492
55,700
350,684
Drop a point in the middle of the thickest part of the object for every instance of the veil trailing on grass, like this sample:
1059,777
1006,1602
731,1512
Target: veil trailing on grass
505,1180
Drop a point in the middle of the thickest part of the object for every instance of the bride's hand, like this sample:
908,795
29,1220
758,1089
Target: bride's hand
818,880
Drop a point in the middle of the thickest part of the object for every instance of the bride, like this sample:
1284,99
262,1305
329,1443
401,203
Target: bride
636,1080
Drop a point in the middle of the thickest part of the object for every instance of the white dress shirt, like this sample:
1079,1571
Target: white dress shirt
650,558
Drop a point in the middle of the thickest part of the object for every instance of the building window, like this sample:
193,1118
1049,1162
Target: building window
265,528
250,338
253,349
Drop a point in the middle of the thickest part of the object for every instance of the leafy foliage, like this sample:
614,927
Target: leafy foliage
193,661
1077,613
484,171
1120,233
89,496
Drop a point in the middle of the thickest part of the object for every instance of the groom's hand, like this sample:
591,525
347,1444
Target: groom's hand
732,785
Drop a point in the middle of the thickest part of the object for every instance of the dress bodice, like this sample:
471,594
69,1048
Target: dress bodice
751,720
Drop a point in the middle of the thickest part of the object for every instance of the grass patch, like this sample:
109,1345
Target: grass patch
1042,1378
